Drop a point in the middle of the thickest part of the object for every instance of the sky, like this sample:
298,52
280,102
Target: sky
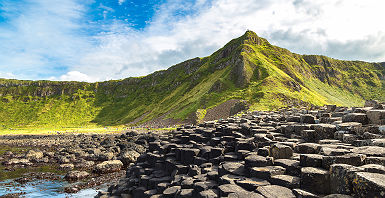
98,40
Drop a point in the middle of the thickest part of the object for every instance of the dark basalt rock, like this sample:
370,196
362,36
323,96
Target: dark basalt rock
326,152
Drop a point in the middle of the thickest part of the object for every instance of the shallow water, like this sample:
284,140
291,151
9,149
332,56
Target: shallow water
42,188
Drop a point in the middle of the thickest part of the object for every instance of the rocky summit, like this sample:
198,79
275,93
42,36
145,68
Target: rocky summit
329,152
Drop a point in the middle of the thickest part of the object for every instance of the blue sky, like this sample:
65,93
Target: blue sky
96,40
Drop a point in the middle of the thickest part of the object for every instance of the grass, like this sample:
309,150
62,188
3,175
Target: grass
247,68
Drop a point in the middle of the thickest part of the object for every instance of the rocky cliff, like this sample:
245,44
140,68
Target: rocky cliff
248,68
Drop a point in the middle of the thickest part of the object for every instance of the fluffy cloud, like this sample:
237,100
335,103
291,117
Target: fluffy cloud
179,30
40,38
345,29
74,76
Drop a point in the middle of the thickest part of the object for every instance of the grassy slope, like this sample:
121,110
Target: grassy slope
247,68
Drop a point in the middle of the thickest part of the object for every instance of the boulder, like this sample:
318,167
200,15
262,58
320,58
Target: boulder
66,167
376,116
34,155
281,151
129,157
356,117
307,118
76,175
108,166
15,161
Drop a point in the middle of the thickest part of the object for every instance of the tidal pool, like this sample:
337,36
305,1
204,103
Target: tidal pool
44,188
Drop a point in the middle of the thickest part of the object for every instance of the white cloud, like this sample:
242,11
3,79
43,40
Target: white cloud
344,29
7,75
40,38
75,76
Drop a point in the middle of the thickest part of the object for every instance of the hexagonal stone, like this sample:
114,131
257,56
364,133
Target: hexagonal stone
211,193
280,151
304,194
185,193
315,180
245,194
351,159
341,177
274,191
226,189
255,160
251,184
369,184
266,172
171,191
374,168
286,181
292,166
307,118
356,117
234,168
310,160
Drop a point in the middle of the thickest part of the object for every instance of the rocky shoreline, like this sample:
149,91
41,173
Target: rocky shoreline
86,160
325,152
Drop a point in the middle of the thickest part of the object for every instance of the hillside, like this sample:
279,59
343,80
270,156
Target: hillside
247,68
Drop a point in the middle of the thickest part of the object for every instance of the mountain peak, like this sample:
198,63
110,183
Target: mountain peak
252,38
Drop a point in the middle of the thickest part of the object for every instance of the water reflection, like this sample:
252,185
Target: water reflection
42,188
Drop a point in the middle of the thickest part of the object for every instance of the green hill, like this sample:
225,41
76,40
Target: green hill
248,68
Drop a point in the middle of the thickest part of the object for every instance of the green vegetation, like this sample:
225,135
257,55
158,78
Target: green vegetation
247,68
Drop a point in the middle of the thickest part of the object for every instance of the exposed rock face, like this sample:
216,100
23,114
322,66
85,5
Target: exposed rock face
264,154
